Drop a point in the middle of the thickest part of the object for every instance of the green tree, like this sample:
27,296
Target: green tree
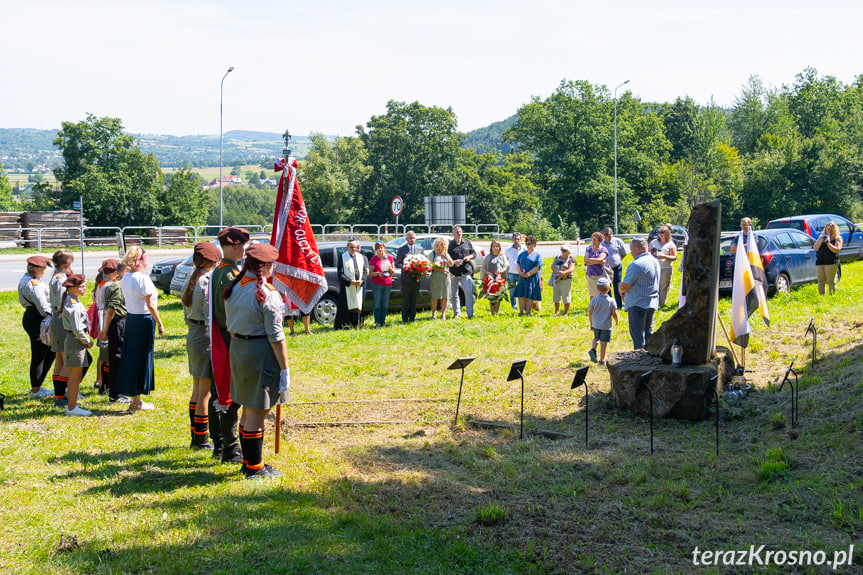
6,199
184,201
571,137
331,178
412,151
242,206
118,182
680,119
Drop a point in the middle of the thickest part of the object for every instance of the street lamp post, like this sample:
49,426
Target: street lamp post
615,156
221,92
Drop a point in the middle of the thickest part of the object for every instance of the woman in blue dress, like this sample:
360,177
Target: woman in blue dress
529,288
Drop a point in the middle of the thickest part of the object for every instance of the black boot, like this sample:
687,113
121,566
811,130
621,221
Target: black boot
228,421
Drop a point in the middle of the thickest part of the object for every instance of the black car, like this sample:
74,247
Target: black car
324,311
678,234
163,272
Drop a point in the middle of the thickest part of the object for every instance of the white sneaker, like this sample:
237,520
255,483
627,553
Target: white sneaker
43,392
78,412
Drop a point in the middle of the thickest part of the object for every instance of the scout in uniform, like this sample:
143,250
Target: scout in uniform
108,274
195,308
114,333
224,417
259,359
62,260
77,342
33,295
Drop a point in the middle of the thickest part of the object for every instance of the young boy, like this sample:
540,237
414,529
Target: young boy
601,310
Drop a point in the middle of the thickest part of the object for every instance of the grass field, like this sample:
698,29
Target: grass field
377,480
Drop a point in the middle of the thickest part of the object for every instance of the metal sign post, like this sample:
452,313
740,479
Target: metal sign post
517,372
636,217
578,381
79,205
460,363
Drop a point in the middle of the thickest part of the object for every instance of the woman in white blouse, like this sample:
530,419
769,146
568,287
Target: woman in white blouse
136,371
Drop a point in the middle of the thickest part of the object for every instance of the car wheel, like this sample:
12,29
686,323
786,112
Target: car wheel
324,311
783,284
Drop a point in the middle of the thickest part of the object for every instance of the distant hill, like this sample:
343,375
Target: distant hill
491,137
27,148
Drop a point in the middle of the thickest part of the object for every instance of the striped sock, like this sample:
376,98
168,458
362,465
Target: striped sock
201,426
59,386
255,445
192,407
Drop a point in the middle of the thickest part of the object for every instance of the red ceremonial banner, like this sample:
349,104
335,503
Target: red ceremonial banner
298,273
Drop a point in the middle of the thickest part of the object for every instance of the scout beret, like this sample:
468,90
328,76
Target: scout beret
74,280
208,251
39,261
264,253
603,281
109,266
233,236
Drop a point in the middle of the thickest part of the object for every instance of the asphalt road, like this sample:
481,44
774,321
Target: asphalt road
13,266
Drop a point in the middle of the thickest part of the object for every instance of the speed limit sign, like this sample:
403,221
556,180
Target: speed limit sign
397,206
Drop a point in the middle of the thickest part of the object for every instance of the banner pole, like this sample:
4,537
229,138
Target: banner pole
278,428
730,345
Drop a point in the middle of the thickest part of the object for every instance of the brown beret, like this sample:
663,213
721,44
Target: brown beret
74,280
208,251
233,236
264,253
109,266
39,261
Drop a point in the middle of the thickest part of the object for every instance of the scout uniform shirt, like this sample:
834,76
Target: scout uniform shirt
248,317
199,312
223,275
56,290
75,320
114,299
33,293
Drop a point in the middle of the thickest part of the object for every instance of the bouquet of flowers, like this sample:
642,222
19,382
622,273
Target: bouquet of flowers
494,288
417,266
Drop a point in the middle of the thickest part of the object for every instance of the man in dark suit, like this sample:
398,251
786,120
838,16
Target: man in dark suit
410,286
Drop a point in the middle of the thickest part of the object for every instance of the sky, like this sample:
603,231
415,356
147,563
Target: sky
328,66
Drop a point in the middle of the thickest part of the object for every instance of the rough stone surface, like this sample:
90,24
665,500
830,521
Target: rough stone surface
695,323
678,392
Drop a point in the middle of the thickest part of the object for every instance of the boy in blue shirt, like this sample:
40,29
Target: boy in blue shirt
601,310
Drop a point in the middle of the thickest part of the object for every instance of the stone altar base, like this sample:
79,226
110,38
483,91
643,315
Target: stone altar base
678,392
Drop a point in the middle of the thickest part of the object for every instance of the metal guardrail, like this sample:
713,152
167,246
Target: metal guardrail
157,235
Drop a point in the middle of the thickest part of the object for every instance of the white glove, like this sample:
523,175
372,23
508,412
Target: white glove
284,380
221,408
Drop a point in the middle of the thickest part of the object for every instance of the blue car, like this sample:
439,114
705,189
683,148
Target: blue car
852,236
787,255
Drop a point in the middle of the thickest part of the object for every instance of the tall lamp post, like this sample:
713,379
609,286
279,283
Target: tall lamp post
221,93
615,156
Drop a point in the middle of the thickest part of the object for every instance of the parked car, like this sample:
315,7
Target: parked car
425,241
678,234
852,236
185,268
787,255
324,311
162,273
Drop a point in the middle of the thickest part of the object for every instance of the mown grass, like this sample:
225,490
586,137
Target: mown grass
383,486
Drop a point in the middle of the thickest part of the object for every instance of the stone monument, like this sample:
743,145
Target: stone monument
683,391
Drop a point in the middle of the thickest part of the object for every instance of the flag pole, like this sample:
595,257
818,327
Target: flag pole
725,331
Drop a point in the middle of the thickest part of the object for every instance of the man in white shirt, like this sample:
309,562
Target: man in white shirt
512,254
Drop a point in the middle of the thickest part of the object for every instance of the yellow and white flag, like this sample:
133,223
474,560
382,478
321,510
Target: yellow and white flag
749,291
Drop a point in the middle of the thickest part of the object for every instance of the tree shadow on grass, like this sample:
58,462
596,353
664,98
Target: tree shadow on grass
263,528
21,409
139,471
